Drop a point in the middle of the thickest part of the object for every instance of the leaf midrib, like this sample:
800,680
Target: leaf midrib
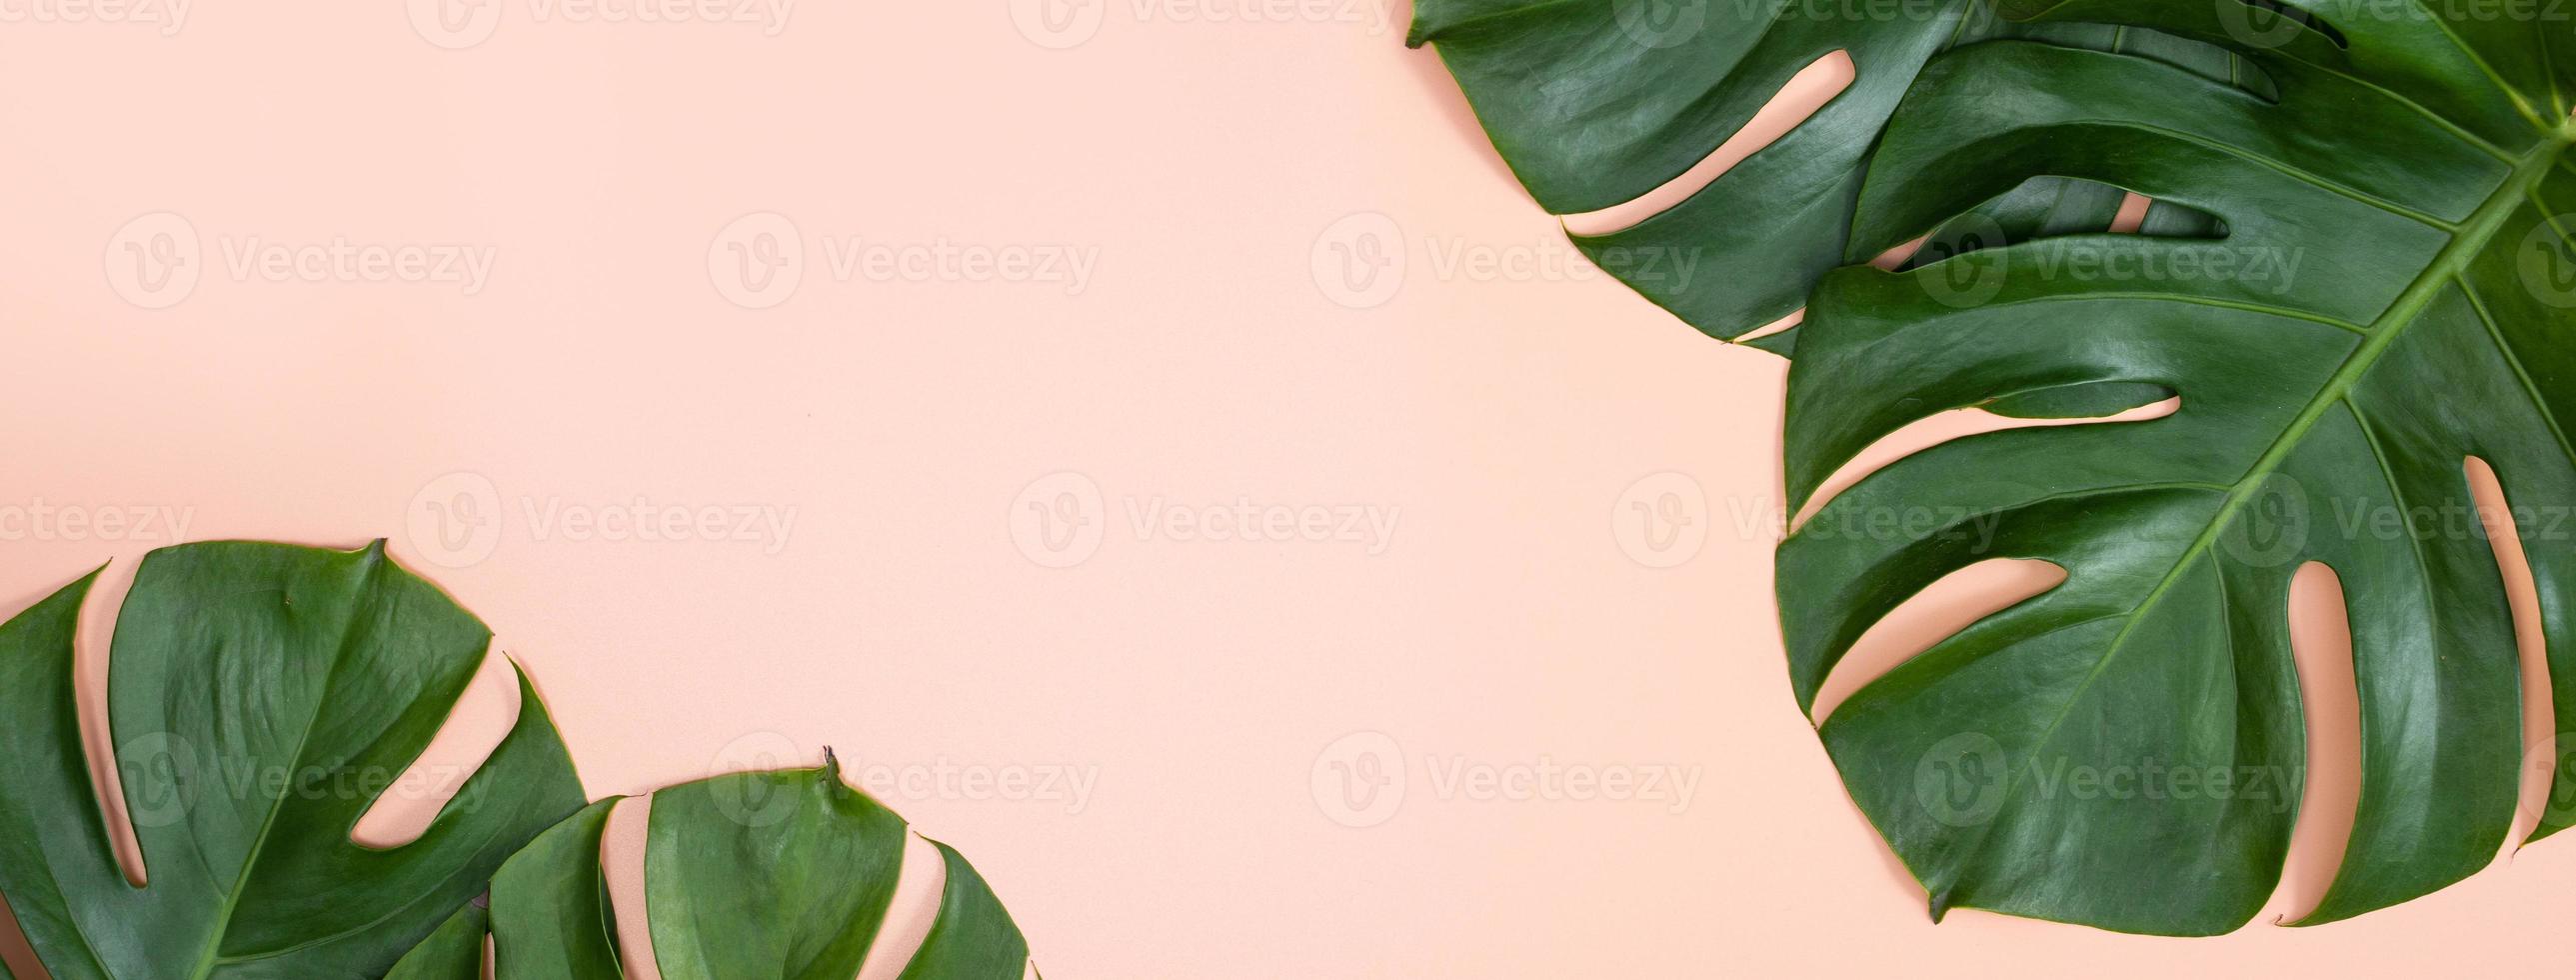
212,955
2472,240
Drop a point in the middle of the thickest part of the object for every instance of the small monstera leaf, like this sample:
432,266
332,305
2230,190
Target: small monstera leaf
2382,294
1594,103
261,697
766,874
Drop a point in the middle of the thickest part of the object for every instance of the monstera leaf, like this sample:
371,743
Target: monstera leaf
1594,103
2354,277
261,697
765,874
2380,295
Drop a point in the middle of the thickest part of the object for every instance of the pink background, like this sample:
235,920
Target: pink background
1508,417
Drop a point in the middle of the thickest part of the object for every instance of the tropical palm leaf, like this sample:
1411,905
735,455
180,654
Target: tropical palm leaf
2355,276
261,697
764,874
2382,293
1594,103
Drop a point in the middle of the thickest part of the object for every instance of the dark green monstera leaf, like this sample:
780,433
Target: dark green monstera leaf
2382,290
1594,103
764,874
2355,276
261,698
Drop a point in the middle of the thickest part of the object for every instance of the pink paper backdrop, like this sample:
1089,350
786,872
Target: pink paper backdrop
1166,457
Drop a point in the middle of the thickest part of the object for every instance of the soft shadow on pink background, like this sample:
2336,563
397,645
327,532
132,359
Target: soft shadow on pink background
1509,421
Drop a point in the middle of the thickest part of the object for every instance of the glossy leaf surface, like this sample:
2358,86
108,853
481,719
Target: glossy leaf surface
261,698
765,874
2355,277
1594,103
2383,290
